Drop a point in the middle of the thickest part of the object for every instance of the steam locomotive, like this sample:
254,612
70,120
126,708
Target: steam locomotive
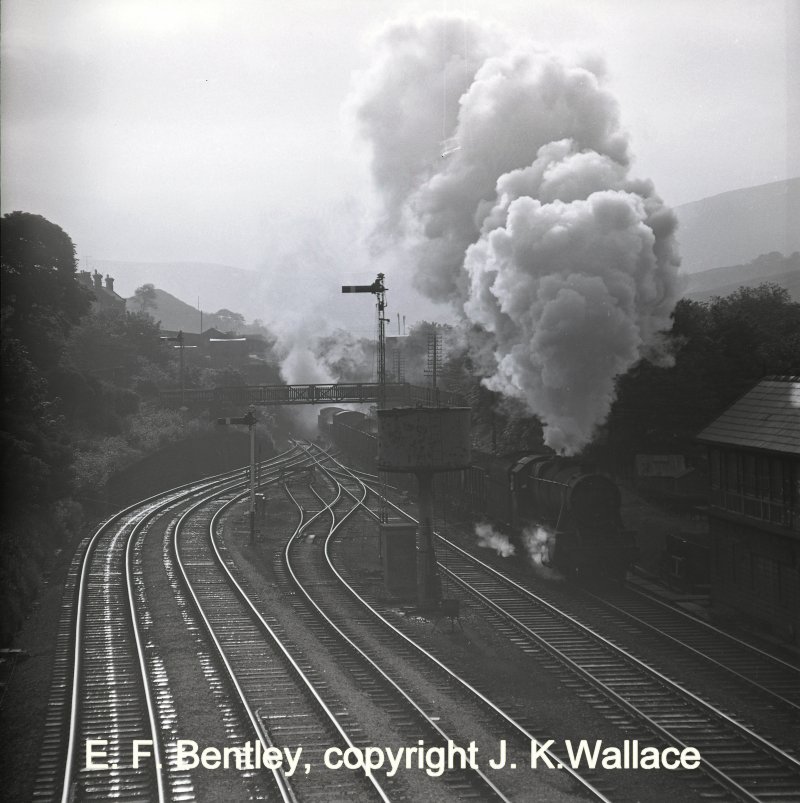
572,511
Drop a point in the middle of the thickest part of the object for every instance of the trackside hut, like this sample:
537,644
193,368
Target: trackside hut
754,507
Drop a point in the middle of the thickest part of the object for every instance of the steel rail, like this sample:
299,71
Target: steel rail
520,729
155,502
694,650
298,670
683,614
286,792
708,626
151,505
136,627
711,769
575,667
792,668
625,655
343,636
286,795
723,634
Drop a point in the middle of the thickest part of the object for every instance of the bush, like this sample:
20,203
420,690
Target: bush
154,428
92,467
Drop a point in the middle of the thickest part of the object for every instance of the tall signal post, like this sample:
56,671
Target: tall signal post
378,289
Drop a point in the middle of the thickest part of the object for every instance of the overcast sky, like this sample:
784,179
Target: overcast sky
219,131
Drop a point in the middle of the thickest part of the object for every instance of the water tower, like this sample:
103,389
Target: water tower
424,441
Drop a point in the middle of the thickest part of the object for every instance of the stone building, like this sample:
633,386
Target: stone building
754,507
104,296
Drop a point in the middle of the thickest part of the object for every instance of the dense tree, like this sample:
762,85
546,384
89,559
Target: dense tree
41,302
70,412
34,451
35,458
108,359
145,297
49,398
722,349
756,331
41,298
229,321
113,344
227,377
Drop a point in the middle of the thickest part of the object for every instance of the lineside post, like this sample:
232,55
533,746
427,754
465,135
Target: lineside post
252,428
378,289
250,421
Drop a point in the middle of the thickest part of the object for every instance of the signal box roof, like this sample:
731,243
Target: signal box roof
766,418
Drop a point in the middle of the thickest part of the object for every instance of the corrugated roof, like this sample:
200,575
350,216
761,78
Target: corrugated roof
768,418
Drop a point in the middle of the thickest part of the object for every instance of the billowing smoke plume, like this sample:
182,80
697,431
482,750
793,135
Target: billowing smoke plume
505,172
308,357
347,357
337,356
489,538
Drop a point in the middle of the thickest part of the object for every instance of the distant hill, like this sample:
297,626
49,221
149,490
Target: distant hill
774,268
736,227
174,314
216,286
721,239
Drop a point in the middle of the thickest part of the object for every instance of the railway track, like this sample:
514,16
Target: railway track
373,615
766,674
743,764
105,700
111,691
110,703
277,685
328,609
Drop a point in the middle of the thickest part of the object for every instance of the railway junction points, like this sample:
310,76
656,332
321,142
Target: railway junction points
501,677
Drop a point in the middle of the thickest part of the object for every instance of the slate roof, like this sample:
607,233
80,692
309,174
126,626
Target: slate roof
766,418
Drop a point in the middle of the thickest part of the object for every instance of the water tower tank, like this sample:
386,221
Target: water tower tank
424,439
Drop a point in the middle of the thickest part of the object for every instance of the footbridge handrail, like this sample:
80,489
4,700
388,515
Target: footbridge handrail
397,394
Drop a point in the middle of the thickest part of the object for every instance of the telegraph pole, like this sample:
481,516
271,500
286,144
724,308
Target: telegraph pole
183,383
179,340
434,360
250,421
251,425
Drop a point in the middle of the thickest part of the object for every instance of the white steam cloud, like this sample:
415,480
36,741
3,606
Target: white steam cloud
539,544
531,226
308,357
489,538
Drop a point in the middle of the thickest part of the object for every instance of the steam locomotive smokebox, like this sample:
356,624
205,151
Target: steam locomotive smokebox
399,557
424,439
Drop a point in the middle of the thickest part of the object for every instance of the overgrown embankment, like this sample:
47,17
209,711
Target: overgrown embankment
201,456
38,543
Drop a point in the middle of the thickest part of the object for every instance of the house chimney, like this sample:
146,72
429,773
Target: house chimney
109,284
98,280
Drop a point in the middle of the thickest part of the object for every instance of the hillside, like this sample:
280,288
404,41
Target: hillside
775,268
174,314
720,237
212,286
736,227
